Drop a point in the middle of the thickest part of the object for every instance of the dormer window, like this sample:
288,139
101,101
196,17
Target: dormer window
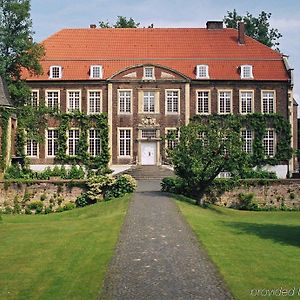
55,72
96,72
202,71
149,73
246,72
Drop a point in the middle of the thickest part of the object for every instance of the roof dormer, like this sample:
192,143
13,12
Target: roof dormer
96,72
246,72
202,72
55,72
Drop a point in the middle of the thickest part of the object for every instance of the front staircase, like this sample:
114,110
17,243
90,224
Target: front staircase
149,172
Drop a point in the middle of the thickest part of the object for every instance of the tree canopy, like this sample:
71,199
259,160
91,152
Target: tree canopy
255,27
17,48
122,22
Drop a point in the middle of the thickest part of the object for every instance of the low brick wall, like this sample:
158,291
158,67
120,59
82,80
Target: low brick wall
271,193
52,193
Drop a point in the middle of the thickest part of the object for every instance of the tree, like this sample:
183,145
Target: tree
205,150
17,48
255,27
122,22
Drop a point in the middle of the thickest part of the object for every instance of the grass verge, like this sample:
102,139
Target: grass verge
254,251
59,256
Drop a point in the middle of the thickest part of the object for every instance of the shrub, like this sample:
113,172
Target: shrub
43,197
122,185
69,206
17,172
247,202
98,186
8,210
76,173
83,200
59,209
37,206
48,210
172,185
28,211
249,173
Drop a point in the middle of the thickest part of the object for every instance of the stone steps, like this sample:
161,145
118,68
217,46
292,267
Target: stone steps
149,172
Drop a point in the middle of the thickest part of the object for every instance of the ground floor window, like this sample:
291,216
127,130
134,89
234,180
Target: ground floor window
124,142
172,138
31,148
94,142
269,143
247,137
73,141
52,145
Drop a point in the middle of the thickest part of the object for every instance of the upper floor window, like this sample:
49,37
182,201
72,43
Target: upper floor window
246,72
52,99
149,102
268,102
203,102
94,102
225,102
149,73
96,72
172,101
74,101
246,102
55,72
202,71
34,99
125,102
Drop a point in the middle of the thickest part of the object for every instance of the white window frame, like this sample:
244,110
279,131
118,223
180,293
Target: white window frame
247,141
125,105
145,75
202,72
92,73
262,101
73,109
208,103
37,97
46,98
153,130
149,106
46,138
119,142
89,99
95,139
247,72
52,68
167,129
225,105
68,141
240,102
267,139
166,102
31,148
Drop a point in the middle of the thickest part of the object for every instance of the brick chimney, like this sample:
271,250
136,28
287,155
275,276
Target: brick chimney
214,25
93,26
241,33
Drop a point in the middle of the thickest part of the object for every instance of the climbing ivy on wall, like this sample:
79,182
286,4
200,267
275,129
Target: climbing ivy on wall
4,120
259,123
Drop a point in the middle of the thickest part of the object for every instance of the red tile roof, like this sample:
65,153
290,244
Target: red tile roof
177,48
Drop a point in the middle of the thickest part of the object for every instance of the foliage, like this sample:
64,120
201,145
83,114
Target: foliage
255,27
76,173
37,206
69,206
172,185
122,185
122,22
98,186
83,200
247,202
16,171
247,173
4,119
17,49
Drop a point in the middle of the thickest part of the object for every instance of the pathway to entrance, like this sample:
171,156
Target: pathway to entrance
158,256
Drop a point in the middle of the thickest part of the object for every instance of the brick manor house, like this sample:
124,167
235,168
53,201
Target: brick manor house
149,81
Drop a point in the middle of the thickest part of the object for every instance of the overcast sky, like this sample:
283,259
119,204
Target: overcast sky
50,16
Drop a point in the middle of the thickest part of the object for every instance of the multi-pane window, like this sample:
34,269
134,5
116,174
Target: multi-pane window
202,71
148,133
149,73
52,99
172,101
34,99
74,101
246,72
172,138
55,72
73,141
149,102
52,144
96,72
125,101
31,148
94,98
95,142
202,102
124,142
246,102
268,106
247,136
225,102
269,143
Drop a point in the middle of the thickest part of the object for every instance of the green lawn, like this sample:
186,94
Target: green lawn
252,250
59,256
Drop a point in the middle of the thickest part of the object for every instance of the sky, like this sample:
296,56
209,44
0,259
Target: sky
49,16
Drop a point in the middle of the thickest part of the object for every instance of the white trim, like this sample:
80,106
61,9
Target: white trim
131,142
46,97
37,149
209,102
100,71
144,73
88,101
240,101
38,97
274,142
243,68
46,141
202,67
166,132
166,105
231,101
68,130
131,100
274,100
59,72
68,100
245,140
89,145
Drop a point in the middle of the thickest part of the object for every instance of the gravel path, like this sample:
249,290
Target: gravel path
158,256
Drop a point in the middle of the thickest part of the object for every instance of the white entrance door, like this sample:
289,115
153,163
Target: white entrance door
148,153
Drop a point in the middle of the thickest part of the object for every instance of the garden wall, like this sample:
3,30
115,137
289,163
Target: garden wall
267,193
54,193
